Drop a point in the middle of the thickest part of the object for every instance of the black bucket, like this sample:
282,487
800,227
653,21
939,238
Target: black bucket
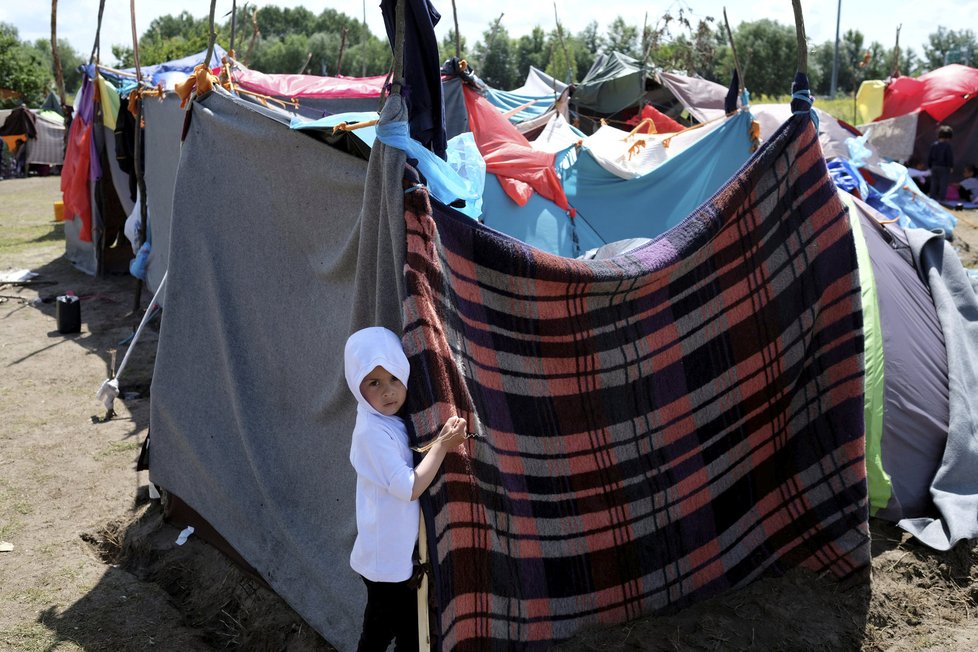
68,313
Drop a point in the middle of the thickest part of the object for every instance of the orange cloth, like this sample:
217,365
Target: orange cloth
74,176
13,140
520,168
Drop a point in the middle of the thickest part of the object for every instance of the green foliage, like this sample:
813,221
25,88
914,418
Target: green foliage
947,46
174,37
497,65
70,61
623,38
767,53
22,69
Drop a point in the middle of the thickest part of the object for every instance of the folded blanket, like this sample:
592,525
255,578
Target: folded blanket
654,428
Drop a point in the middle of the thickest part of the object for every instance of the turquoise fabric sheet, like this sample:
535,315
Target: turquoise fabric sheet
650,205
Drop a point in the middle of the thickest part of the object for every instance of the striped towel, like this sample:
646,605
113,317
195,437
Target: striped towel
654,428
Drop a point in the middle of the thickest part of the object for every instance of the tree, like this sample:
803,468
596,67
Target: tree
22,69
497,65
949,46
70,61
622,37
593,41
532,49
768,56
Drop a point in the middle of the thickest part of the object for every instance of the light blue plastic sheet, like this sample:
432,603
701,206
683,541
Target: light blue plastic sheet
507,101
367,134
540,223
645,207
444,183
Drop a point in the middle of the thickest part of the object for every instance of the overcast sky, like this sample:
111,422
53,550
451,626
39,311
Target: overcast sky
77,18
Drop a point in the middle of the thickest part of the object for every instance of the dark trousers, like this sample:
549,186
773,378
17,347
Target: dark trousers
391,613
939,178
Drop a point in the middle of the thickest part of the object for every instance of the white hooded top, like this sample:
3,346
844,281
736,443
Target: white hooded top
387,518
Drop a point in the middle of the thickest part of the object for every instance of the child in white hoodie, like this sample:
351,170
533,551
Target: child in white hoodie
388,486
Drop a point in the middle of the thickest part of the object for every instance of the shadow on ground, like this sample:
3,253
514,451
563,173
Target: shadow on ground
109,318
190,597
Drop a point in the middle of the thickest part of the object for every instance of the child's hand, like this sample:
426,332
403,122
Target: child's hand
452,433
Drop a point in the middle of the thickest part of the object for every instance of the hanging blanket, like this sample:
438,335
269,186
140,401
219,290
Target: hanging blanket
654,428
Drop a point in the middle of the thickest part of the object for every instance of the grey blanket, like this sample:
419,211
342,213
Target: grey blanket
955,486
272,264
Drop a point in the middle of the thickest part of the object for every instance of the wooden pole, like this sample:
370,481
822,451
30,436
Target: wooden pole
458,38
563,45
59,77
733,49
234,24
138,155
895,68
255,33
800,36
211,37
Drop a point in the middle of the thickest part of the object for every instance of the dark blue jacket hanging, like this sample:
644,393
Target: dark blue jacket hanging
422,71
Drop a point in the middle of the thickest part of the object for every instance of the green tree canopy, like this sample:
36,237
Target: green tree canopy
947,46
23,69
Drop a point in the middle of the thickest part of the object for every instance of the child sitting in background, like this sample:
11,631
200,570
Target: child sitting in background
968,187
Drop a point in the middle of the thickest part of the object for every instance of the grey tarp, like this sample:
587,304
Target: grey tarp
272,264
705,100
915,412
955,486
164,121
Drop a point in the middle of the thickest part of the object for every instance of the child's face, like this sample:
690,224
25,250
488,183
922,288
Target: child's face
383,391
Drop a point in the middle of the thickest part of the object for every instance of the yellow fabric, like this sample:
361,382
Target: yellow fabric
869,100
110,102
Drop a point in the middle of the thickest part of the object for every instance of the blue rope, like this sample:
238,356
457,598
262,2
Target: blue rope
806,96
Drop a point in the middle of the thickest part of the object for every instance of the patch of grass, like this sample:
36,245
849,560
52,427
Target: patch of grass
118,447
27,638
842,107
10,527
36,596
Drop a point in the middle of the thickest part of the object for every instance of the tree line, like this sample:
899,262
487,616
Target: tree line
296,40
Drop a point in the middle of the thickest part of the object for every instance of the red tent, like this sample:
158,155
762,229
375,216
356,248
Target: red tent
938,93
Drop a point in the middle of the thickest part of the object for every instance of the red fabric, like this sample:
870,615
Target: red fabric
520,168
309,86
663,123
74,176
938,93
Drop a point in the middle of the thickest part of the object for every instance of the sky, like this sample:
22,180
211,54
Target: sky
77,18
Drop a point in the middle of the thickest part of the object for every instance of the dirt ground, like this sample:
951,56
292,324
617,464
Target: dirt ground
94,567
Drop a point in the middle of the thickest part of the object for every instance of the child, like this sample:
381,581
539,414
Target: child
968,187
940,160
388,486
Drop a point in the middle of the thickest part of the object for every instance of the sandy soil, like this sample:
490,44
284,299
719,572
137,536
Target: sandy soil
95,568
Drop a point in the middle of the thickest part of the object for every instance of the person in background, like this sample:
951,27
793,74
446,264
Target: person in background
968,186
940,160
920,174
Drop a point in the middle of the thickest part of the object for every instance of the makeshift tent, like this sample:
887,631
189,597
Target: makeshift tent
95,204
531,100
237,389
618,86
948,96
42,133
315,96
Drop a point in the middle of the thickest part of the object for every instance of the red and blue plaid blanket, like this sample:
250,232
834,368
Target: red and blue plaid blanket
654,428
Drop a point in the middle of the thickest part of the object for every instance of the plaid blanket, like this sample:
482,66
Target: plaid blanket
654,428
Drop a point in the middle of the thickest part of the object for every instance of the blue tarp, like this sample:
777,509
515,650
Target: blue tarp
506,101
540,223
650,205
155,74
